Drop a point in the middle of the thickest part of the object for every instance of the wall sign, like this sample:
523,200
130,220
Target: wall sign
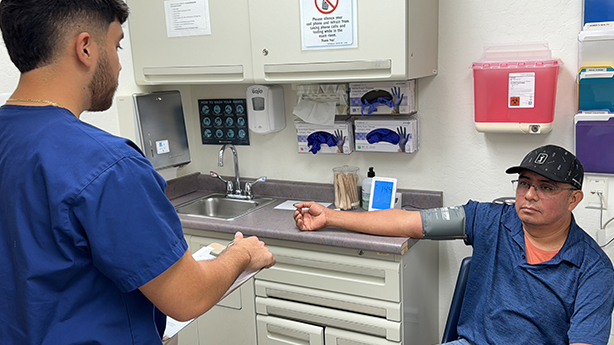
187,18
328,24
223,121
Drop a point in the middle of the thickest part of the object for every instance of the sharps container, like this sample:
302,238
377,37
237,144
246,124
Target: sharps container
515,89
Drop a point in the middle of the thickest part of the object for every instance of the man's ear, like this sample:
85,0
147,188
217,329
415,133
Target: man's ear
575,198
84,49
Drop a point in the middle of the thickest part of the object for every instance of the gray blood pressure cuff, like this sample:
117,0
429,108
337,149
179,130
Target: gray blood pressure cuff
445,223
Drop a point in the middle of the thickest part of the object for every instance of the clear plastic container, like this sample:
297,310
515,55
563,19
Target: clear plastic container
345,181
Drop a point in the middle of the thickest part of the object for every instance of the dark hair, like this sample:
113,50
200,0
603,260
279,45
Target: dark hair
33,30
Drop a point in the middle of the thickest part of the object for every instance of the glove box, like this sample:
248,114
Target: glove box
387,134
335,139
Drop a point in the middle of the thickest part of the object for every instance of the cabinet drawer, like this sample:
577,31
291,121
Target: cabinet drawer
274,331
333,336
373,307
329,317
332,272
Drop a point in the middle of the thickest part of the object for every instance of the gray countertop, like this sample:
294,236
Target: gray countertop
271,223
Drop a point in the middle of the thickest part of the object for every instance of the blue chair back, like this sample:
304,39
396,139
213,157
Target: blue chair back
449,332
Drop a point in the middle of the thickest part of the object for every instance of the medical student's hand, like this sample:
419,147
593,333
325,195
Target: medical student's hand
259,255
310,216
340,140
397,98
403,138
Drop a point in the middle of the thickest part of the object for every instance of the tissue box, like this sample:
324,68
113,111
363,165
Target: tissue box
308,133
384,134
368,92
337,93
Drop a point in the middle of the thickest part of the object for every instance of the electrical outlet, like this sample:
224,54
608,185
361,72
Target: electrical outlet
595,185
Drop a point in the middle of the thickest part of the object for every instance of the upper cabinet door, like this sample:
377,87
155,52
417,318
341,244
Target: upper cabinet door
171,43
343,40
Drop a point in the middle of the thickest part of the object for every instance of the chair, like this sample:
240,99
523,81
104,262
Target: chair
449,332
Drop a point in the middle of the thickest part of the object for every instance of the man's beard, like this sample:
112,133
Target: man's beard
103,85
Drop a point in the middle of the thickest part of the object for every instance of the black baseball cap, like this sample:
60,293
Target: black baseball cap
553,162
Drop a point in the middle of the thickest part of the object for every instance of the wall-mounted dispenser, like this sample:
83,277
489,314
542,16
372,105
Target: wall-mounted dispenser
265,108
161,128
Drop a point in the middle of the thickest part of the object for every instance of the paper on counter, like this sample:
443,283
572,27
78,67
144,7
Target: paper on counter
289,205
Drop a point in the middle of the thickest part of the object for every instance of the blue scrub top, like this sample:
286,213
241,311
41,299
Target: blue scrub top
568,299
84,222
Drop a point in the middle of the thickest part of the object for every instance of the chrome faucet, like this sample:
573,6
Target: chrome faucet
220,163
235,193
248,186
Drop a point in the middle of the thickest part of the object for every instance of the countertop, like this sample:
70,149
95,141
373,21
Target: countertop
271,223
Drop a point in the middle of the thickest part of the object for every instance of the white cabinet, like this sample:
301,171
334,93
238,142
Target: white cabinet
396,40
350,297
261,41
320,295
224,56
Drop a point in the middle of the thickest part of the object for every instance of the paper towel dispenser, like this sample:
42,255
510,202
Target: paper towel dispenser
161,128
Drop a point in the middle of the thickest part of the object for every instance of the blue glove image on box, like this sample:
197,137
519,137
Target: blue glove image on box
383,134
315,139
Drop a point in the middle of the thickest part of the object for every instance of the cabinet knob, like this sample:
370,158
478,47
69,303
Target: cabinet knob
265,52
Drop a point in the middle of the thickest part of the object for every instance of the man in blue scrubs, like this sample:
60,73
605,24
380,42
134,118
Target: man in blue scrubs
89,243
536,277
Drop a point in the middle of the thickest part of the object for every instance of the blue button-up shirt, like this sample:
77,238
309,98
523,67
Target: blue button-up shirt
568,299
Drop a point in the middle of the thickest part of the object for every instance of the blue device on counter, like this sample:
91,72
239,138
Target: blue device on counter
383,193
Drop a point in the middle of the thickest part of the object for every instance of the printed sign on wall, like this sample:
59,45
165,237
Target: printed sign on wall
328,24
187,18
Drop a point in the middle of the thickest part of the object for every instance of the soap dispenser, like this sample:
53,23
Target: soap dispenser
266,109
366,188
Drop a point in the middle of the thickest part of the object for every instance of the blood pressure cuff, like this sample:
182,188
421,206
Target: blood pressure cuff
445,223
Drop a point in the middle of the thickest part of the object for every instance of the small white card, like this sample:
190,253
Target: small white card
162,147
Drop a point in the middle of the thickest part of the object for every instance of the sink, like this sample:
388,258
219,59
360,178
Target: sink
218,206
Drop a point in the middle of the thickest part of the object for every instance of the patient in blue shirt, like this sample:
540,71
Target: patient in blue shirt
536,277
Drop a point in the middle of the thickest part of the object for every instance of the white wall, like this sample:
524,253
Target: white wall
453,156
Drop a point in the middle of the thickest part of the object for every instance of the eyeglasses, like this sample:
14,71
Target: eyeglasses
543,190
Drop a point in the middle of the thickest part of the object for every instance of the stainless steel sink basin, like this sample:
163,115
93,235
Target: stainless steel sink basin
217,206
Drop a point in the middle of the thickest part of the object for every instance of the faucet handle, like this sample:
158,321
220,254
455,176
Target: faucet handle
228,183
248,186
